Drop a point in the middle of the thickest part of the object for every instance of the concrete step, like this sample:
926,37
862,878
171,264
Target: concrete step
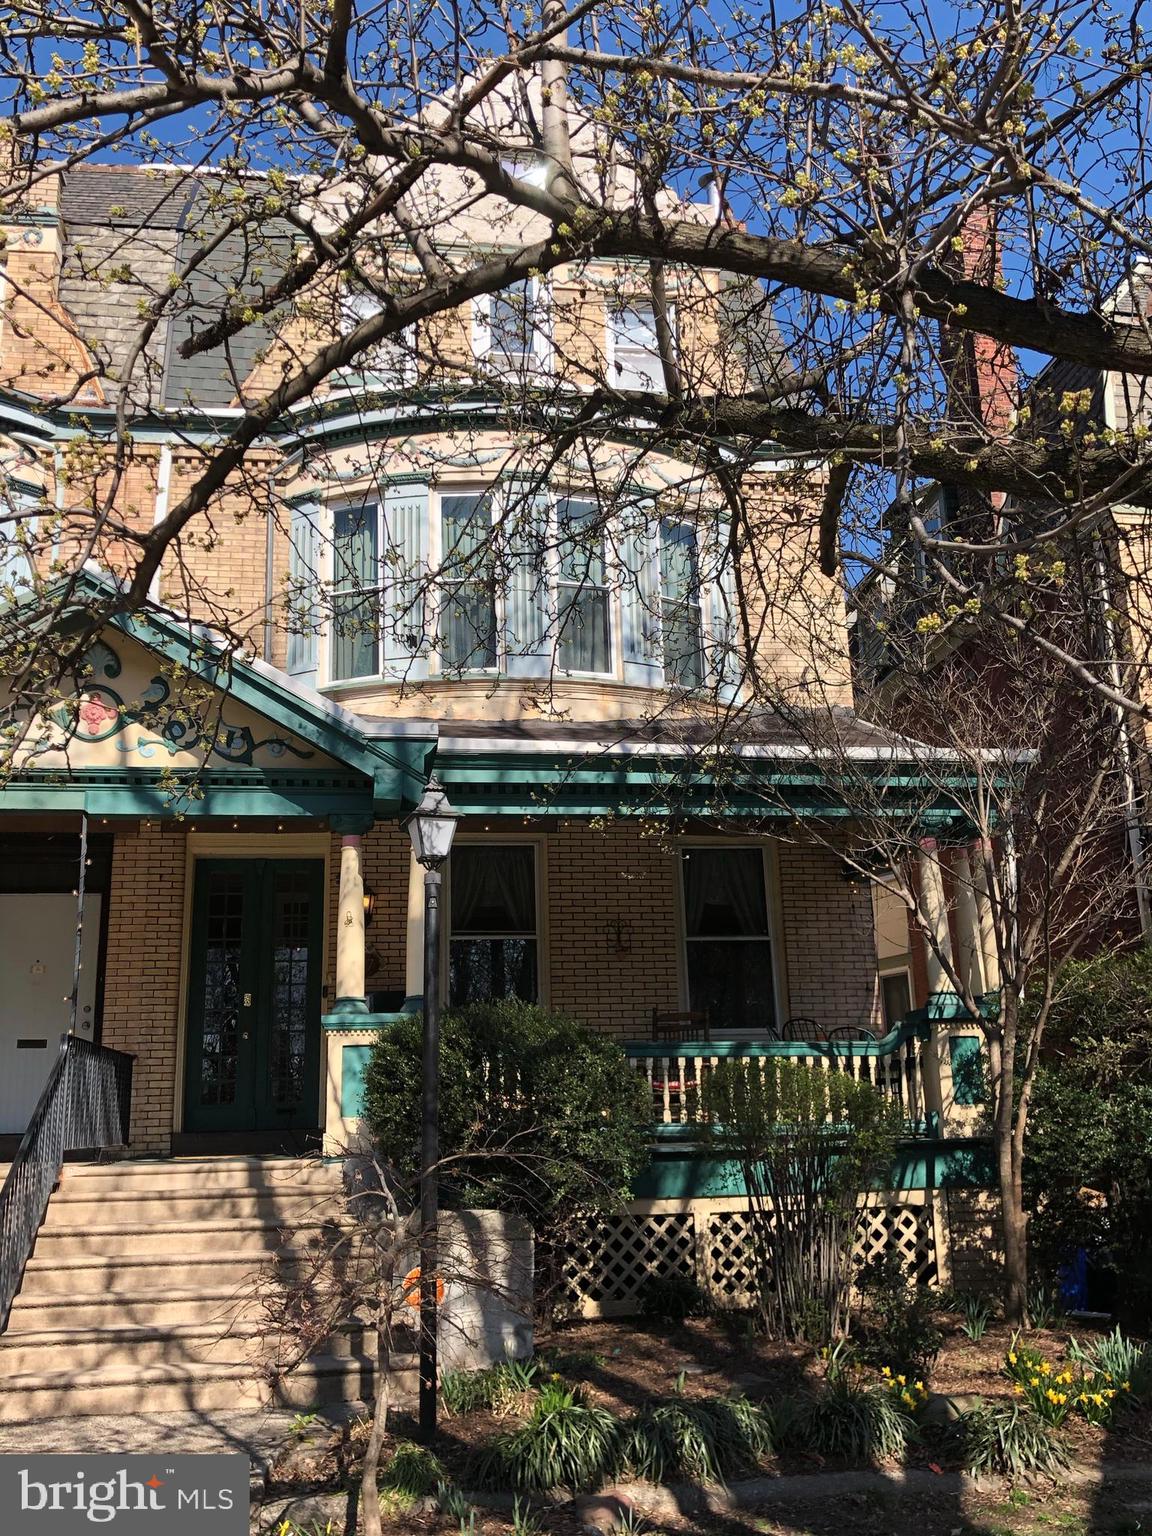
86,1273
191,1387
255,1174
81,1206
176,1238
248,1341
34,1310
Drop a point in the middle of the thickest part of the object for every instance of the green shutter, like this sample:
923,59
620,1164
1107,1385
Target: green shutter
528,626
639,583
405,578
303,551
726,670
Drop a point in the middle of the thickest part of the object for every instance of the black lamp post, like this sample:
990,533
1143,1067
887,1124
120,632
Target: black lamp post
431,826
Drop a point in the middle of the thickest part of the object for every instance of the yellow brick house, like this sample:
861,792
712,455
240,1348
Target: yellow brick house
213,823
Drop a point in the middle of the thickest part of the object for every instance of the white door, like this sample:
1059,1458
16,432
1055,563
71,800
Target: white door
37,952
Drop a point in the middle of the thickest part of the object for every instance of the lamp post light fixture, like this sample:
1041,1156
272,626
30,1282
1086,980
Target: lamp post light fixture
431,826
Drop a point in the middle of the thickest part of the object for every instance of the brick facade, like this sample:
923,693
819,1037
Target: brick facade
142,970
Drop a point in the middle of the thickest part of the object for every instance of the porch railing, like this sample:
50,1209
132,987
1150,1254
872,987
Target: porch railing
676,1072
85,1105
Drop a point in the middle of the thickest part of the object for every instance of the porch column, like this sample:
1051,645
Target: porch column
350,996
414,939
967,923
937,1059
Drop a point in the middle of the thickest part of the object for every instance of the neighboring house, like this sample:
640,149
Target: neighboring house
253,911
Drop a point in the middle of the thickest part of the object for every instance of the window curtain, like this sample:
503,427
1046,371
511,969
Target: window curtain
493,890
724,892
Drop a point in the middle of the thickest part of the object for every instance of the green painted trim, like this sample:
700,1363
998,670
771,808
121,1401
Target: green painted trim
966,1054
334,1023
351,1005
396,767
130,793
911,1029
691,1174
353,1065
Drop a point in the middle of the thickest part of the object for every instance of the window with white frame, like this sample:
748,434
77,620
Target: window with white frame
512,578
681,611
356,593
492,946
387,364
634,348
526,166
510,330
727,938
582,592
467,590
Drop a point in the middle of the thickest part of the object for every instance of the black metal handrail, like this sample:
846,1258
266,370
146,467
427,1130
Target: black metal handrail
85,1105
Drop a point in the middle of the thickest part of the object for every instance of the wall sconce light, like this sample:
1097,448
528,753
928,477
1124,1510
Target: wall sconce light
620,937
369,905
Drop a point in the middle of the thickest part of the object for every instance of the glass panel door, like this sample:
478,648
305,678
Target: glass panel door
253,1040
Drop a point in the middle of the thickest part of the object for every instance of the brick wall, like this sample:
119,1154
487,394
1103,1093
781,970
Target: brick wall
142,974
829,938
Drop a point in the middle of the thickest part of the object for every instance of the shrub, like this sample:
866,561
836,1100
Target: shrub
1053,1392
809,1142
850,1421
538,1114
565,1442
1007,1440
702,1439
672,1299
1097,1080
897,1327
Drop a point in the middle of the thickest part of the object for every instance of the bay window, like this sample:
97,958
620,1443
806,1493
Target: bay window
727,939
492,912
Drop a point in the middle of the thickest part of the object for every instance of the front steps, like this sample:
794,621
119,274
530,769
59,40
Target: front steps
140,1296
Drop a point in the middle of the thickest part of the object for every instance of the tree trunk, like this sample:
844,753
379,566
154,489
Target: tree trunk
369,1489
1015,1236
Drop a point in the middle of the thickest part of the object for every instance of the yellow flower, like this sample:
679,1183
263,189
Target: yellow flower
1034,1381
907,1397
1018,1389
919,1385
1011,1357
902,1380
1125,1386
1045,1369
887,1371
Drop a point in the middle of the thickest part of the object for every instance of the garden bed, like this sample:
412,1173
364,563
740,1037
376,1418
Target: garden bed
622,1367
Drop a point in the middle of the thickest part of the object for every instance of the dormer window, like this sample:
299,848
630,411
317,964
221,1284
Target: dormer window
510,332
633,348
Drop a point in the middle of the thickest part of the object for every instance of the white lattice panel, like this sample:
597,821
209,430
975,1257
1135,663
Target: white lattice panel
606,1270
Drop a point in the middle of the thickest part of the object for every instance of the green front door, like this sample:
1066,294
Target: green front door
253,1059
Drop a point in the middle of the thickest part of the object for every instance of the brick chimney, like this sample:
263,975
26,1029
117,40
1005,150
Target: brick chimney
982,373
41,352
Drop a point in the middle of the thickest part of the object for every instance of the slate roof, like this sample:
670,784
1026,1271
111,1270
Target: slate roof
143,225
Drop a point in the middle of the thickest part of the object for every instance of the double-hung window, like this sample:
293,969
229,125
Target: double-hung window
728,940
356,591
582,593
681,618
467,586
634,349
510,332
492,899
